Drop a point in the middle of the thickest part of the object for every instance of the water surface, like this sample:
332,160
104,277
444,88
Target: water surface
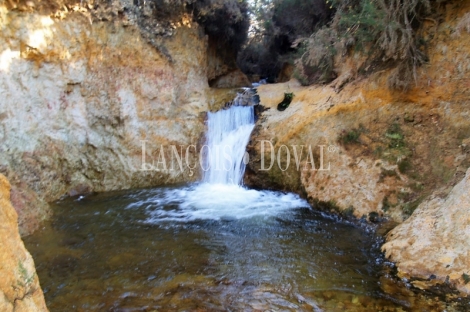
169,249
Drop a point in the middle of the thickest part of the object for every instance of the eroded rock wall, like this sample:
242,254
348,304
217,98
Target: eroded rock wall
19,285
78,97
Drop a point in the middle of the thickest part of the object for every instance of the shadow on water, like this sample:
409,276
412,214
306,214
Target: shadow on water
106,253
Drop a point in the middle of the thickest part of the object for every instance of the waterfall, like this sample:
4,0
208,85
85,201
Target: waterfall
227,135
221,194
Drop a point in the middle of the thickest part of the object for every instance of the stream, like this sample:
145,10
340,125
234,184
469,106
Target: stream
213,246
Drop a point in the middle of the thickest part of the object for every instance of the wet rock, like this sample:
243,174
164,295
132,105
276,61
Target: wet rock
247,97
102,91
81,189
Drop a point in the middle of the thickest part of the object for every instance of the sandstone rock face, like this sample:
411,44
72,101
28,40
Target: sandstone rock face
19,285
364,149
79,100
434,241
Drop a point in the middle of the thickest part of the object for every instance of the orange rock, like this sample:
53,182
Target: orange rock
19,285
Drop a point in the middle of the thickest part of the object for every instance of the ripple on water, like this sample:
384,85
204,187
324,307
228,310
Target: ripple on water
210,248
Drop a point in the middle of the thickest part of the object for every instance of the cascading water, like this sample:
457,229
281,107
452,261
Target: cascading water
227,135
221,194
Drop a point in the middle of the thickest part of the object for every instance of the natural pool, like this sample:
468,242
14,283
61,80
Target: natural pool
211,248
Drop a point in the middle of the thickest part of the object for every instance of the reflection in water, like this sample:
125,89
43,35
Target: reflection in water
148,250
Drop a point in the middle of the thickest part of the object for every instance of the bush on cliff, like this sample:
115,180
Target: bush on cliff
310,34
225,21
276,25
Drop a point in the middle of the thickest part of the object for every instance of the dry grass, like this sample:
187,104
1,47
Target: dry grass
316,65
385,30
463,24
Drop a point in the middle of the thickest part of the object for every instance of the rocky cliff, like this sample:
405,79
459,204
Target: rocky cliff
19,285
84,92
431,247
358,148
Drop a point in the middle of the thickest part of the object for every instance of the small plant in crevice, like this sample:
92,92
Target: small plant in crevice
348,212
386,204
396,150
410,207
395,136
26,279
466,278
404,166
285,102
351,136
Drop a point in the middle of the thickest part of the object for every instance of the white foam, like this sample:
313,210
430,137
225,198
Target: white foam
216,201
221,195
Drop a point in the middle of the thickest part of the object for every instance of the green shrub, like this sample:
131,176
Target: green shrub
351,136
386,204
404,166
385,30
362,23
395,136
277,26
466,278
388,29
285,102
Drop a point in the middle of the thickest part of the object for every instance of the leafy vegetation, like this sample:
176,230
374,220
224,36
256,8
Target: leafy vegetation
285,102
225,20
310,33
351,136
276,26
410,207
466,278
397,151
316,65
395,136
386,204
26,279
